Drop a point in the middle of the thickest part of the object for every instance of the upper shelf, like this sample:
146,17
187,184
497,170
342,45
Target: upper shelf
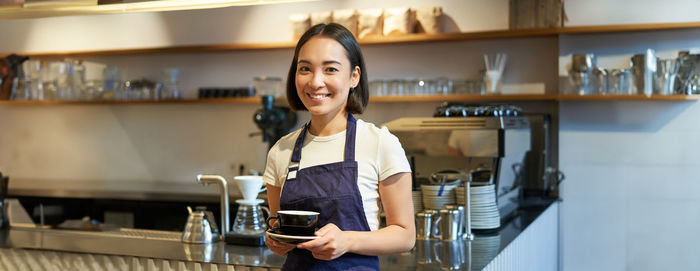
389,99
410,38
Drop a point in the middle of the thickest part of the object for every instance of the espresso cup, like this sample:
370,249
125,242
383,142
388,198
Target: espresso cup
293,222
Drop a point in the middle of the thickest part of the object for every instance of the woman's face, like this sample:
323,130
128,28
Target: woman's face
324,76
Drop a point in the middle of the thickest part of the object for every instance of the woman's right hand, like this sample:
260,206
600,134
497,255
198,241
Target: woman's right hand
273,197
277,247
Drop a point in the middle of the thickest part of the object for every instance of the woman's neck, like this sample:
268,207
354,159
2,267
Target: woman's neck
326,125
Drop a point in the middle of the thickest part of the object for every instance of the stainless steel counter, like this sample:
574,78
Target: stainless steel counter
427,255
139,243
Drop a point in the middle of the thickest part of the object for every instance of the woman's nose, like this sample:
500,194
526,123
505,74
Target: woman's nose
317,80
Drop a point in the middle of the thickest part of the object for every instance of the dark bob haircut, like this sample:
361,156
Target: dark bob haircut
359,96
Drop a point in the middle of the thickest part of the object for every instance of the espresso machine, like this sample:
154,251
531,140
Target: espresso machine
491,144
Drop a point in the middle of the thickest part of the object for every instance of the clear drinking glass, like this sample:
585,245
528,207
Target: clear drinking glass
459,86
444,86
579,83
620,81
61,75
78,81
378,87
112,84
395,87
32,77
170,89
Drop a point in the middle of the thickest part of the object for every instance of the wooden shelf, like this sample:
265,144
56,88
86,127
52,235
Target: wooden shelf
410,38
464,98
246,100
639,97
389,99
594,29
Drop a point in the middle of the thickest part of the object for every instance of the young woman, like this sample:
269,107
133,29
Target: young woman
336,165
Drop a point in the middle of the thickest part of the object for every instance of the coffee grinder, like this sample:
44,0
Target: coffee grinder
249,225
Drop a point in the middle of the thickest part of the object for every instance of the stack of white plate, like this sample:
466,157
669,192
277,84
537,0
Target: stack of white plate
434,199
417,201
484,209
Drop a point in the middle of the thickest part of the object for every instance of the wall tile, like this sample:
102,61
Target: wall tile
593,234
662,234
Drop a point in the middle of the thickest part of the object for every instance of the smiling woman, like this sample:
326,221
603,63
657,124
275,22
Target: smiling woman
341,180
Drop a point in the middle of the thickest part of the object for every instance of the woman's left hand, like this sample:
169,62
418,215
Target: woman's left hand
331,244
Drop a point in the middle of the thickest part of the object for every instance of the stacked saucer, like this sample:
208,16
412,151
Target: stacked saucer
484,210
417,201
436,196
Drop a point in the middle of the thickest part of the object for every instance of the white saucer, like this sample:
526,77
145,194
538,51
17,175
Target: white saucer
249,202
290,239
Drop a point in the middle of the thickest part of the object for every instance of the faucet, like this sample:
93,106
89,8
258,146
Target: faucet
223,189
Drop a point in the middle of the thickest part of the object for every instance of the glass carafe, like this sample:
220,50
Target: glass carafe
250,218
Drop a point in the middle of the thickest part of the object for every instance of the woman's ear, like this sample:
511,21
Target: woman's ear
356,72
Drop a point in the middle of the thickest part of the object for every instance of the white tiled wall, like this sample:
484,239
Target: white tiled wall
631,194
633,168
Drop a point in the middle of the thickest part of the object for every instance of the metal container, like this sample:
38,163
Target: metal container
462,217
643,71
201,227
448,225
583,63
424,225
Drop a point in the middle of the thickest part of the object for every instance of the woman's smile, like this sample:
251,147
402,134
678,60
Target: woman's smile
319,97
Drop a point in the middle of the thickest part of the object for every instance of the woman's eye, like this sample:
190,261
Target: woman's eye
331,69
303,69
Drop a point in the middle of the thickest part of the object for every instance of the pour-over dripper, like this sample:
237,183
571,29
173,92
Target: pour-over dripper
249,186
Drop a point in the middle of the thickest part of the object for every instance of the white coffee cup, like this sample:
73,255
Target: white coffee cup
249,186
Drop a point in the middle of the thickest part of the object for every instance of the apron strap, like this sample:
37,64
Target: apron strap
296,153
350,138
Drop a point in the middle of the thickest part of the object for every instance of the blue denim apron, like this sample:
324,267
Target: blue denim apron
330,189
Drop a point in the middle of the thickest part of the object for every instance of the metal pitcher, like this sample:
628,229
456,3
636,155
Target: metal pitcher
201,227
447,225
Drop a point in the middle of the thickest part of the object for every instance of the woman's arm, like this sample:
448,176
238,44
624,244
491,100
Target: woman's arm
399,235
273,199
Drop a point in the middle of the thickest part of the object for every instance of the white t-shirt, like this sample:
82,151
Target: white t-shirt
378,154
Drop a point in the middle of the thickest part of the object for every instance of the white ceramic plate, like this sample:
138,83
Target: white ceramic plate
290,239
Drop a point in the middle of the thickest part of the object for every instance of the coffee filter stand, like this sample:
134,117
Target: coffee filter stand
236,238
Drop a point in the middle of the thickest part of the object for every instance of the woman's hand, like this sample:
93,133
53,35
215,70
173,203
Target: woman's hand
331,244
278,247
273,197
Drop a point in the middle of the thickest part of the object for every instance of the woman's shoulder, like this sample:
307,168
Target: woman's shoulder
374,130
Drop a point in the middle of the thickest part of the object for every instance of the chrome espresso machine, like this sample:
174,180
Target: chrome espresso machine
494,144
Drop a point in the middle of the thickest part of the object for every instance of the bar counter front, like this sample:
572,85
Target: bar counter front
528,238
